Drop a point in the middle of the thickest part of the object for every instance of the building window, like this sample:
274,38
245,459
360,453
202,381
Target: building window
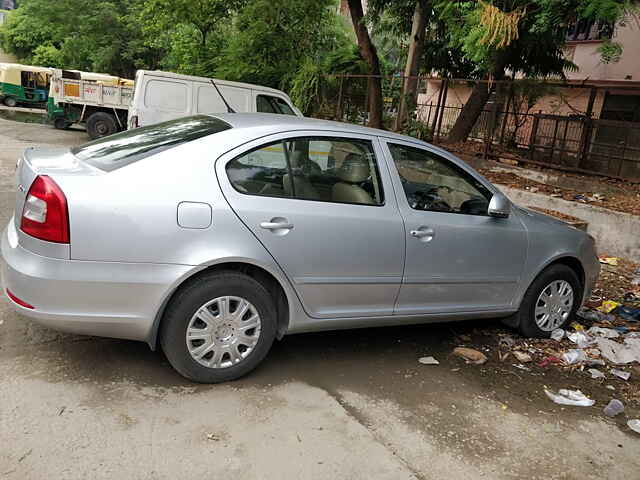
585,30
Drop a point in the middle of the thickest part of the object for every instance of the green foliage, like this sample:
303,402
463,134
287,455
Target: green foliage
189,33
94,35
610,52
274,38
305,86
536,48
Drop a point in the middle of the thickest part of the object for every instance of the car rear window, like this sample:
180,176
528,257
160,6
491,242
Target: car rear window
116,151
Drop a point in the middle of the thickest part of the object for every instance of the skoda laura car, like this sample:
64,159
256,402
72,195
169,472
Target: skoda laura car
211,236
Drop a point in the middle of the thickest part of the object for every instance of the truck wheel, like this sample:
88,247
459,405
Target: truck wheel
61,124
101,124
10,102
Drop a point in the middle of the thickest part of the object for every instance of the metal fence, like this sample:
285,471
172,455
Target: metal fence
569,142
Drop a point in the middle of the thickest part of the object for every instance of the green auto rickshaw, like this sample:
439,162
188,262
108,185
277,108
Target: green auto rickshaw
24,84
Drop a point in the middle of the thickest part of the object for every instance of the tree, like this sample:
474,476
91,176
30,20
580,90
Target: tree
370,54
202,15
410,20
522,36
94,35
272,39
190,33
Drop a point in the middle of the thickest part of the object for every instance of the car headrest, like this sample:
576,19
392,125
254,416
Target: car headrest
354,169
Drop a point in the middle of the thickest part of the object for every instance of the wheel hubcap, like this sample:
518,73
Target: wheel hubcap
554,305
223,332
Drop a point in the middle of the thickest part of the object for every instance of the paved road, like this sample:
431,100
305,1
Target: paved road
341,405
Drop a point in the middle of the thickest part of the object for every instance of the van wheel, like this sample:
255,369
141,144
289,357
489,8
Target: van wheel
550,302
10,102
219,327
61,124
101,124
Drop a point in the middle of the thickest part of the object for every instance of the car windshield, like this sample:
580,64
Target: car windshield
116,151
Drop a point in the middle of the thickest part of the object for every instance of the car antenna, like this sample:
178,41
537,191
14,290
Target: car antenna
229,109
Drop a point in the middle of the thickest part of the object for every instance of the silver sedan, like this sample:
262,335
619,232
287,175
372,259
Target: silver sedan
211,236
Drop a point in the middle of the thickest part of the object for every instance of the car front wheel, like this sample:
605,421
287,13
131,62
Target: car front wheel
550,302
218,327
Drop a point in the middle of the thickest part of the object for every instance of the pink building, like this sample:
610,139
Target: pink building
614,87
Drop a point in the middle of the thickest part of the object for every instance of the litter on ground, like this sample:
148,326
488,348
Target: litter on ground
570,397
428,361
470,355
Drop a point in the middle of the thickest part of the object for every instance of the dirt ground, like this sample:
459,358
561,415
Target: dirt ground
350,404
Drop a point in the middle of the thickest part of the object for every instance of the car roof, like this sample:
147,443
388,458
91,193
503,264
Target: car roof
269,123
192,78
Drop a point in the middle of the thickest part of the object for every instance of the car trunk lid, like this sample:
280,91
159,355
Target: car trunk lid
54,163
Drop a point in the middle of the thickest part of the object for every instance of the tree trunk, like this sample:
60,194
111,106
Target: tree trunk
369,53
410,86
474,106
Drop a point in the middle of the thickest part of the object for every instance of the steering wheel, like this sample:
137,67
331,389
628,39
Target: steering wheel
429,200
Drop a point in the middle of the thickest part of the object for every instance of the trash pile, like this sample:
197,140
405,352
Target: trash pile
602,345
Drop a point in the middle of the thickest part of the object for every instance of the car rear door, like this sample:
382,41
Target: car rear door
458,258
342,247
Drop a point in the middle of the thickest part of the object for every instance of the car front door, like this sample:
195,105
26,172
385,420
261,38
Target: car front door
458,258
325,210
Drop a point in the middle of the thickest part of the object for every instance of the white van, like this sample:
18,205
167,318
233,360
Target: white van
161,96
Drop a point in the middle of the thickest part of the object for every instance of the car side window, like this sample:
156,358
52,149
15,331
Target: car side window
332,169
260,171
324,169
269,104
433,183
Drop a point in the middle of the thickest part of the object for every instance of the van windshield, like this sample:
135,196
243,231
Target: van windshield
116,151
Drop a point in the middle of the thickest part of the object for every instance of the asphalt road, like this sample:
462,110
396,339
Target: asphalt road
351,404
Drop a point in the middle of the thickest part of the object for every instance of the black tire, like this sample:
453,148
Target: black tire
61,123
10,102
101,124
196,294
524,319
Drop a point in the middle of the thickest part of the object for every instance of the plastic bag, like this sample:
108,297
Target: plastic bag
603,332
580,338
620,353
574,356
595,373
608,306
570,397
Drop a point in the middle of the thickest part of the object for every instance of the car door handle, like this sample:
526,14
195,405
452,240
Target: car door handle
275,224
423,233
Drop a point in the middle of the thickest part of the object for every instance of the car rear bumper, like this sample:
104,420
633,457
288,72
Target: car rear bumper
109,299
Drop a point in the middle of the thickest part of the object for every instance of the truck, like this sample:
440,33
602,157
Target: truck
99,101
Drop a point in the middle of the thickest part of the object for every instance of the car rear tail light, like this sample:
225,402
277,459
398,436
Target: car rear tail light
45,214
22,303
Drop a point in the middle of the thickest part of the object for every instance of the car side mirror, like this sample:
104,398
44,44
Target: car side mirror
499,206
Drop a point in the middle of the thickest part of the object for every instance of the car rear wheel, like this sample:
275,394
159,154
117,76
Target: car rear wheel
219,327
101,124
550,302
